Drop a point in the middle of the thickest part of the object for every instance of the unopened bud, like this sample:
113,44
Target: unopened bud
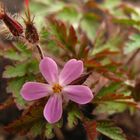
31,33
14,26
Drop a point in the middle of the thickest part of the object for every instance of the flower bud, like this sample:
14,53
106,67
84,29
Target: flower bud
14,26
31,33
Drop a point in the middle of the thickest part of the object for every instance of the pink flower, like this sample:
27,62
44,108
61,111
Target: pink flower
58,87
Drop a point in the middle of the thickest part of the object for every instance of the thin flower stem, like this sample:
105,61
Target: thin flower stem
40,51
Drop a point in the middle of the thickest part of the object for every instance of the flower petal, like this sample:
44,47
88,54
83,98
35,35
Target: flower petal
53,109
49,70
78,93
34,90
71,71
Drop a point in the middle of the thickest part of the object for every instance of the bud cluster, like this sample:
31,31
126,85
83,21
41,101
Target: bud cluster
16,28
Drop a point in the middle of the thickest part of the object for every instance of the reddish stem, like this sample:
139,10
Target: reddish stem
27,3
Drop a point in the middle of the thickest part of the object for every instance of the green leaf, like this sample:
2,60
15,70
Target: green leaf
111,45
110,108
111,4
112,97
69,14
22,48
44,8
37,128
53,48
87,23
73,115
20,53
20,70
90,127
126,22
33,67
28,120
64,39
49,131
14,87
133,44
109,89
15,71
110,130
13,55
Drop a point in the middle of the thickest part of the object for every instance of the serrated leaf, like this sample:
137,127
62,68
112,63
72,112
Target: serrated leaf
109,4
110,108
109,89
110,45
73,115
37,128
59,35
14,87
87,22
112,97
72,38
126,22
21,53
115,106
19,70
23,48
105,53
110,130
15,71
33,67
133,44
129,9
28,120
69,14
90,127
13,55
58,28
84,49
49,131
92,63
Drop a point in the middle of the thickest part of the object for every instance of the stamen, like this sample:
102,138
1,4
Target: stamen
57,88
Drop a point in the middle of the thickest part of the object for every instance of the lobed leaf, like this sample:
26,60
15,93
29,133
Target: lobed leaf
28,120
112,97
133,44
72,37
109,89
15,71
110,130
90,127
49,131
14,87
73,115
